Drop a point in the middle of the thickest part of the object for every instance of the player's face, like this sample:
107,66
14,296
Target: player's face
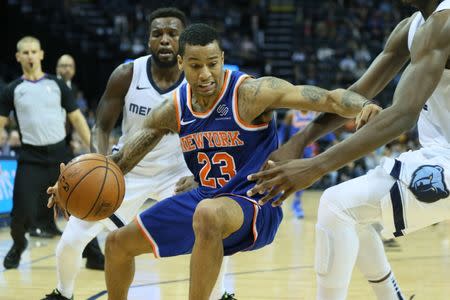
66,68
163,40
203,68
30,56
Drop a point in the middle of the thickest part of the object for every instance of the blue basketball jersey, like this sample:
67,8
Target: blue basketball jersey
219,148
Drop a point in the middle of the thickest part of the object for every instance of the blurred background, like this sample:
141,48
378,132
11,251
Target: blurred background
325,43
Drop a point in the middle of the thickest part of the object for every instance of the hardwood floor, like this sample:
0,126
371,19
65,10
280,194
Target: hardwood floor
284,270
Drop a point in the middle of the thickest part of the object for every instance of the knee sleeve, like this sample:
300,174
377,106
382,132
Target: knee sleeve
324,257
372,260
336,248
77,235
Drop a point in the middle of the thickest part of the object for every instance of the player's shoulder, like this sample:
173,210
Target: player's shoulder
402,28
122,75
436,30
440,22
124,70
405,24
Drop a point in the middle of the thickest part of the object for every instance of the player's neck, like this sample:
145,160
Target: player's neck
204,103
427,7
33,75
164,77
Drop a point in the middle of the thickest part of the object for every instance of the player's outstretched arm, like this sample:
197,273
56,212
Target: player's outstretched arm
429,56
160,121
381,71
109,108
257,96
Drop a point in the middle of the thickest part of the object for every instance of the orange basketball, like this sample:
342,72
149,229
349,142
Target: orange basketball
91,187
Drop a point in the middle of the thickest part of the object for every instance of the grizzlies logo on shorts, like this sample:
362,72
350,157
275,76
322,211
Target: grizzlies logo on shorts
428,184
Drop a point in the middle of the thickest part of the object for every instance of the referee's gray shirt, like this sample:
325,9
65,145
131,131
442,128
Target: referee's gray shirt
39,108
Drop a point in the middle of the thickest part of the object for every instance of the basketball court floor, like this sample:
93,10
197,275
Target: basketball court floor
284,270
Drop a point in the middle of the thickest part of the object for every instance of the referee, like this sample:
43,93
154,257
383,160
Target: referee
38,101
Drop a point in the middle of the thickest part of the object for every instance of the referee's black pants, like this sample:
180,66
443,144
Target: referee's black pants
30,197
37,169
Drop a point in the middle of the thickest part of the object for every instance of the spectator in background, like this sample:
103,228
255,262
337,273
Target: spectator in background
65,70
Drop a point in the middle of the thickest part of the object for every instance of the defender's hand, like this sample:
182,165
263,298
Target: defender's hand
185,184
367,113
284,178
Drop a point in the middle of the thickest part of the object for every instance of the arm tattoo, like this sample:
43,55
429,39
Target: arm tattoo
136,148
351,99
313,93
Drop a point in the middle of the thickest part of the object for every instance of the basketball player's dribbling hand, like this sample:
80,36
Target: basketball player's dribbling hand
53,200
185,184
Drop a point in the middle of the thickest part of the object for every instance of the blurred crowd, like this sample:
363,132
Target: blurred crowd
333,43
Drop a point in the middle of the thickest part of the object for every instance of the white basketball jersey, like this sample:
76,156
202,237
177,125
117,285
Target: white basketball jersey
143,95
433,124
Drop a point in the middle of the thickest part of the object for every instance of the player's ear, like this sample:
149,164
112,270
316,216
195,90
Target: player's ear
17,57
223,57
180,62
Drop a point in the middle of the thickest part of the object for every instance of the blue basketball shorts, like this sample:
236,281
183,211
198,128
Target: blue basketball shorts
167,225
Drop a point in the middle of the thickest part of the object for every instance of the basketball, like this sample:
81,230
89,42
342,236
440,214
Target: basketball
91,187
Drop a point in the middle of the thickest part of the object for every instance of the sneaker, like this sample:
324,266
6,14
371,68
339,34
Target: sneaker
95,263
391,243
40,233
95,258
55,295
297,209
227,296
12,258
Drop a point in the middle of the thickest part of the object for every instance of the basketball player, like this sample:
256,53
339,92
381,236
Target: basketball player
404,194
224,120
65,70
134,89
295,121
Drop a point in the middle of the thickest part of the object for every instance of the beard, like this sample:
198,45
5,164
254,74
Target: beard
164,64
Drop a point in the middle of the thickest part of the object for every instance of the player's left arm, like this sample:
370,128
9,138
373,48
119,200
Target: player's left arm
257,96
160,122
429,56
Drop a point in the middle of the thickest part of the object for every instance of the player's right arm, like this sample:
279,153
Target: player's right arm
381,71
110,106
160,121
430,54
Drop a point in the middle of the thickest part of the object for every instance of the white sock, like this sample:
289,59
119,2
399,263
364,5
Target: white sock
387,288
219,287
68,264
74,239
373,263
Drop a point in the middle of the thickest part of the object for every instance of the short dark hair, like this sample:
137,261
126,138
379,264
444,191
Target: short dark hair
198,34
167,12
